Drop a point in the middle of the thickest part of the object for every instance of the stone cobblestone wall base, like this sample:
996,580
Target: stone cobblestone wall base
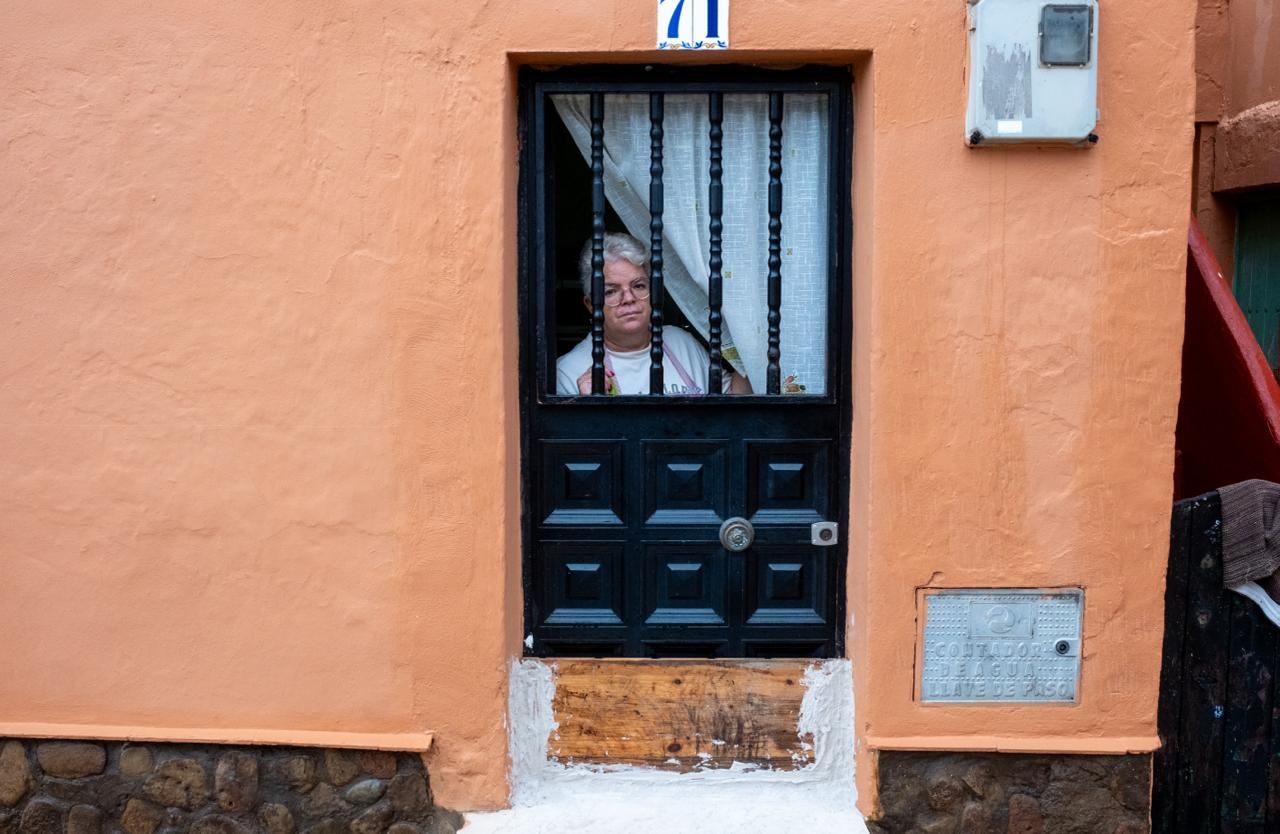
1005,793
79,787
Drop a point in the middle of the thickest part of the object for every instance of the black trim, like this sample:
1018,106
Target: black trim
727,78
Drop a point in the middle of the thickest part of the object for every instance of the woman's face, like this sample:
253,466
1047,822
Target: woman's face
628,321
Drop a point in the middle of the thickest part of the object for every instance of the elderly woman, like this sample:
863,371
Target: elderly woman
626,333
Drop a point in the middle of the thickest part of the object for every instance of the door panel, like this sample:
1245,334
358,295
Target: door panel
627,555
582,583
685,482
787,481
582,482
785,585
686,584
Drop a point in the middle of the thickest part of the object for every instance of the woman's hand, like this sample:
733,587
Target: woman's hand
584,381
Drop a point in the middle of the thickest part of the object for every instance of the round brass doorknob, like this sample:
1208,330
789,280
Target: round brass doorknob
736,534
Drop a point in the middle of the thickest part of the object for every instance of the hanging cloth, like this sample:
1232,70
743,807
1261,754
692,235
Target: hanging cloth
1251,543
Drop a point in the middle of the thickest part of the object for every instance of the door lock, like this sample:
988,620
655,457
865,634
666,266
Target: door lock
824,533
736,534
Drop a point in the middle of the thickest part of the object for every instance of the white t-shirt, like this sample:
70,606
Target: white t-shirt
631,368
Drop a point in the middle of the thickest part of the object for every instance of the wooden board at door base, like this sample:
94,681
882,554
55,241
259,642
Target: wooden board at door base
680,715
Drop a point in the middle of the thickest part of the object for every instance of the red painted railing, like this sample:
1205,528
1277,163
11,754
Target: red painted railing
1229,415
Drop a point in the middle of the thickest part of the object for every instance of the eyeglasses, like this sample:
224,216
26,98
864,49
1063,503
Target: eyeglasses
613,293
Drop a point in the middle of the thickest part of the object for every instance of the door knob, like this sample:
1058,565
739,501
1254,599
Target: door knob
736,534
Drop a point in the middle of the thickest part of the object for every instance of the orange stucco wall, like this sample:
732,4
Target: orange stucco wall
1238,108
259,452
1237,56
1253,58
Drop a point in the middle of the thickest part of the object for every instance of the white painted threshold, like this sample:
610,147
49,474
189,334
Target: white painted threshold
551,798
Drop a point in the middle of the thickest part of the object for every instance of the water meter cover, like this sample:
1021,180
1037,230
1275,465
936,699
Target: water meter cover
993,644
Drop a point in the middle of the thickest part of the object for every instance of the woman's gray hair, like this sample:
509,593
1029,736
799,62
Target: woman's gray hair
617,246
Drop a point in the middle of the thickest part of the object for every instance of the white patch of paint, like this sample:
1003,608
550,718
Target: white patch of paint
528,641
549,796
531,722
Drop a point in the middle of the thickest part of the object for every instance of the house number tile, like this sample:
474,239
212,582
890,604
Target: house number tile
693,24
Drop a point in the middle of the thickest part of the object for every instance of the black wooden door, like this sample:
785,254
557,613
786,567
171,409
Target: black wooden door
625,497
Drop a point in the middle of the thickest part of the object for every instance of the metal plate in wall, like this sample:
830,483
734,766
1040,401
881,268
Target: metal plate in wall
991,644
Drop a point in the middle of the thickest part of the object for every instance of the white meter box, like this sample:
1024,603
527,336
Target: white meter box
1033,72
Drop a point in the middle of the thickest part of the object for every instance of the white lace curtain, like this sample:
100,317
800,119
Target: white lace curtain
745,236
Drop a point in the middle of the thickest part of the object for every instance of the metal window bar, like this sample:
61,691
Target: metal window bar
715,283
715,202
832,85
773,374
597,244
656,384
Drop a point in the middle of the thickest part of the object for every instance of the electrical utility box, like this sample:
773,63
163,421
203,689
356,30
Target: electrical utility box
1033,72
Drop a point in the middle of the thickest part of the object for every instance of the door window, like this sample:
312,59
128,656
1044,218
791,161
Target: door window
791,152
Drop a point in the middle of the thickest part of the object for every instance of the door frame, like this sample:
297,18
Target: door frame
534,322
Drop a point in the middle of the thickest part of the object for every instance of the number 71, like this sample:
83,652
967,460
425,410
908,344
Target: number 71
693,24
